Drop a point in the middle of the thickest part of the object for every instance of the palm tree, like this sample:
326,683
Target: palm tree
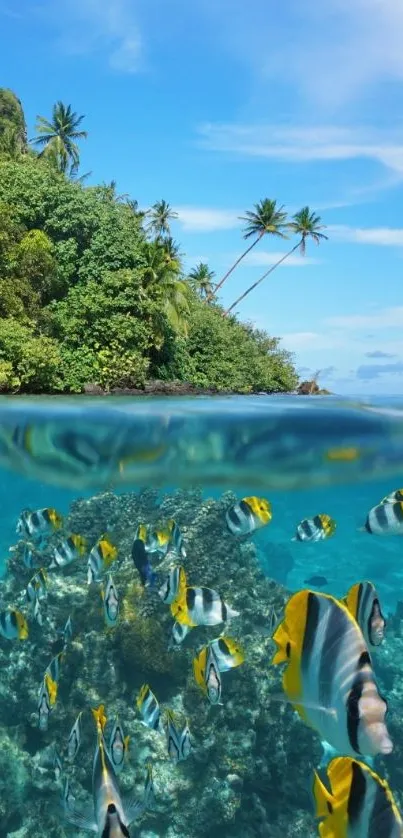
161,213
171,248
266,219
58,136
201,280
164,274
306,225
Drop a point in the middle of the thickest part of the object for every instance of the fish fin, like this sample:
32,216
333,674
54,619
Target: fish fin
322,796
179,610
231,612
78,817
282,639
132,807
328,753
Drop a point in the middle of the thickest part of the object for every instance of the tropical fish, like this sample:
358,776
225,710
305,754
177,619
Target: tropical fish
201,607
68,799
227,653
118,746
207,674
385,519
142,562
57,763
30,557
176,539
329,678
99,717
149,708
174,585
363,603
179,744
111,818
74,740
397,495
149,794
44,705
157,541
38,616
13,624
52,688
111,602
68,551
359,803
316,581
315,529
53,670
36,524
37,586
248,515
100,558
179,632
67,632
344,455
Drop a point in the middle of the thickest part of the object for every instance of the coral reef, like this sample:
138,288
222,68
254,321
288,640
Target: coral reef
250,773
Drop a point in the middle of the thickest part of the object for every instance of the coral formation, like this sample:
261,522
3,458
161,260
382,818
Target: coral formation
250,772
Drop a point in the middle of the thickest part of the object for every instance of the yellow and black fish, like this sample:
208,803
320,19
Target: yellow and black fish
102,555
37,586
363,603
359,803
13,625
36,524
118,746
248,515
201,607
329,677
111,602
207,674
72,548
174,585
178,742
385,519
227,652
393,497
315,529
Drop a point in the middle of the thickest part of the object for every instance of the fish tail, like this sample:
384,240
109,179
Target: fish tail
281,637
322,798
99,717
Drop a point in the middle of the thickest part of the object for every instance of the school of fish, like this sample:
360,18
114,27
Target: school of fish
325,643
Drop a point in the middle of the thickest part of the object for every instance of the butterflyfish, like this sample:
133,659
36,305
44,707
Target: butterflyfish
315,529
13,625
67,551
393,497
44,705
178,741
248,515
74,740
35,524
111,602
357,804
174,585
207,674
102,555
118,746
362,601
385,519
149,708
227,652
201,607
329,677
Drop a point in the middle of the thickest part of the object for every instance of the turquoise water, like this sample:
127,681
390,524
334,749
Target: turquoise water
108,465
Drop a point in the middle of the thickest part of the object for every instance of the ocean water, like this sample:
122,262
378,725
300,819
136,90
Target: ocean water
108,466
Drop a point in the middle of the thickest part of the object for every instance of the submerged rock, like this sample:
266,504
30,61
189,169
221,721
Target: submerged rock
250,773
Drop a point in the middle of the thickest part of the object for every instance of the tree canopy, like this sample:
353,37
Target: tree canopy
92,289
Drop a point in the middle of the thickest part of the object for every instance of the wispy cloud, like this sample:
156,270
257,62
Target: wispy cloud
377,353
265,258
383,236
329,53
305,143
381,319
207,220
107,28
367,372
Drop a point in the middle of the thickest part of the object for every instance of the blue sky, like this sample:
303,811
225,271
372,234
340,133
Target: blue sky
216,104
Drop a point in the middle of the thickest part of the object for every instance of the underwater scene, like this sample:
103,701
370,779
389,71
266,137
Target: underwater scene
201,617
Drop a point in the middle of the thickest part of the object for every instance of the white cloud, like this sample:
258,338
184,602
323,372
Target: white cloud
383,236
382,319
207,220
107,27
329,52
306,143
265,258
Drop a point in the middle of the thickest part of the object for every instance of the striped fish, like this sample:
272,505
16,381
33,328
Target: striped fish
359,804
201,607
329,678
35,524
315,529
173,585
68,551
178,743
248,515
385,519
397,495
207,674
227,652
363,603
149,708
13,625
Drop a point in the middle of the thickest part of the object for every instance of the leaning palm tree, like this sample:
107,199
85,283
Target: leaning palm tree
306,225
58,136
266,219
161,213
201,280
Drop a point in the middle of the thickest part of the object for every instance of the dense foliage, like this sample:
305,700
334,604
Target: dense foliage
92,290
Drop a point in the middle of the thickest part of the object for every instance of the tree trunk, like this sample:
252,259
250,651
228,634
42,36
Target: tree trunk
255,284
242,256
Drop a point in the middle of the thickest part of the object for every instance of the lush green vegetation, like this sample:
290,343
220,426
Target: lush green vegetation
92,289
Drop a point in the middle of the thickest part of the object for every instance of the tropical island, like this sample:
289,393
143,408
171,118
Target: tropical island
93,295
